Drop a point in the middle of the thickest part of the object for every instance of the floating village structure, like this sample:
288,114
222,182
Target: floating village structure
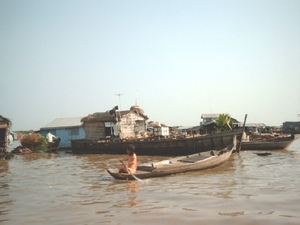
291,127
5,125
66,129
209,123
128,124
112,131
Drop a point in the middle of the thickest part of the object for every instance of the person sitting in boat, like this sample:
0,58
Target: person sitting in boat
131,161
50,137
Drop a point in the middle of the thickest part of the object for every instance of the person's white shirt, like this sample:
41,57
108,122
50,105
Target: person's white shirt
50,137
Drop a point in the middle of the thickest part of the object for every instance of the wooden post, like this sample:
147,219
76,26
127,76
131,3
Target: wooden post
240,144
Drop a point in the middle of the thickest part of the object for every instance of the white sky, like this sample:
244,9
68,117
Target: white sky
177,59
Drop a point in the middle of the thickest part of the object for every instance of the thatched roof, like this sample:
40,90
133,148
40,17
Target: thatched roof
108,117
5,121
99,117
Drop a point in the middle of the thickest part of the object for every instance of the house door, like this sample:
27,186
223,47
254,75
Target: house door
2,138
108,131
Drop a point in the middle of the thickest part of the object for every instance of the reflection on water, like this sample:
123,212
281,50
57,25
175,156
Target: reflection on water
4,186
133,186
76,189
4,166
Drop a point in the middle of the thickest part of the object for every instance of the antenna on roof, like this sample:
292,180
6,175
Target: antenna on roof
136,97
119,100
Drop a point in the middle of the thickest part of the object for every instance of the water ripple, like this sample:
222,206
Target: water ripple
78,190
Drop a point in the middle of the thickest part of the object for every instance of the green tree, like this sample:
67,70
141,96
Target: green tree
224,123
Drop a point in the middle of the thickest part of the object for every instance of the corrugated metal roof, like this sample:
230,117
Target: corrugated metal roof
184,127
255,125
64,122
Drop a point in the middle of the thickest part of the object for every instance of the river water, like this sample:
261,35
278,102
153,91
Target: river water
76,189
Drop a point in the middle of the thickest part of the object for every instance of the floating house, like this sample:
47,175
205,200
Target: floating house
67,129
210,118
128,124
255,128
5,125
112,131
209,123
291,127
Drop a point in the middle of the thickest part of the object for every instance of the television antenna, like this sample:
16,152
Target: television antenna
119,101
136,93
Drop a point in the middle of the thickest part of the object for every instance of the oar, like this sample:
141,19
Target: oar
130,172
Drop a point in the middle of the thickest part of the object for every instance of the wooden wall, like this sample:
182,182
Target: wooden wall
94,130
129,128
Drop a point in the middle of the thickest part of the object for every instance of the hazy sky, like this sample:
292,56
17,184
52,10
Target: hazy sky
176,59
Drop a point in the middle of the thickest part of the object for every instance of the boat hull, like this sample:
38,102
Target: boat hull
53,147
195,162
273,144
163,147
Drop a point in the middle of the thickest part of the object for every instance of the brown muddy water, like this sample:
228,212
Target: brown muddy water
76,189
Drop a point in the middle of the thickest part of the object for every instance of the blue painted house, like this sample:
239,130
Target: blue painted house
66,128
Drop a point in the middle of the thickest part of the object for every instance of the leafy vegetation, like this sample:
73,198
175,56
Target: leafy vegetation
224,123
34,142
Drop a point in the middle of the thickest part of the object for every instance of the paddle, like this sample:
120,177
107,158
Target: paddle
130,172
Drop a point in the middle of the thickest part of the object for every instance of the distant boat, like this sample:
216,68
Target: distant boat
195,162
263,153
274,143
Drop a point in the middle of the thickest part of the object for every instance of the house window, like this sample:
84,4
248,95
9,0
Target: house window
74,131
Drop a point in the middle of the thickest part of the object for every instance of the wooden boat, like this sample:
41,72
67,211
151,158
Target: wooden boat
163,147
199,161
53,147
275,143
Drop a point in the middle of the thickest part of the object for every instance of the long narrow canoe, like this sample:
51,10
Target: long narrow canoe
199,161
